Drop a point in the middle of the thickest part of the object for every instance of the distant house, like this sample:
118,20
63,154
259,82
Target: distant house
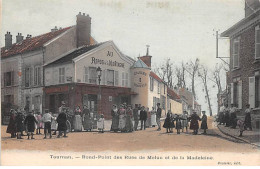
174,102
243,79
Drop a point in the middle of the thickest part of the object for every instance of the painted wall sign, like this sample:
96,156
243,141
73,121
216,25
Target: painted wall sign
106,62
140,73
140,85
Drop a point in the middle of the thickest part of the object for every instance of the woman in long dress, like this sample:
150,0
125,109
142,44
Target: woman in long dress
129,124
87,122
115,119
194,124
153,117
11,128
122,118
77,120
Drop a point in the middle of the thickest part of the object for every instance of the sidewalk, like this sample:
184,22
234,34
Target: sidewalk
251,137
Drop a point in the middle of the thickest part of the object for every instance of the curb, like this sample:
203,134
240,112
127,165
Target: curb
243,140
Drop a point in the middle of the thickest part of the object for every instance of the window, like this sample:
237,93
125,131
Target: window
151,83
9,99
8,78
236,47
116,78
86,74
124,79
93,75
37,103
257,43
163,102
236,93
110,77
28,76
37,78
257,91
158,88
164,88
62,75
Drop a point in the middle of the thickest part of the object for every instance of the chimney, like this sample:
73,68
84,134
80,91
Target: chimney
8,40
28,36
147,59
54,29
83,31
19,37
251,6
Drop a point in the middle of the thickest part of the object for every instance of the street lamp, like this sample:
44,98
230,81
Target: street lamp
99,73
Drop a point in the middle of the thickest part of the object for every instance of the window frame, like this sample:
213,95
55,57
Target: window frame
61,77
236,41
257,29
151,83
90,76
27,70
37,80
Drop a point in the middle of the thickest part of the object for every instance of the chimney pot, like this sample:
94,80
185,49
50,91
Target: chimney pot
8,40
84,14
19,37
83,29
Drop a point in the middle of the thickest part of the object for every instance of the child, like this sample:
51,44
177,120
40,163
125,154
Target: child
167,122
241,126
204,124
30,121
39,125
172,123
19,125
100,123
248,118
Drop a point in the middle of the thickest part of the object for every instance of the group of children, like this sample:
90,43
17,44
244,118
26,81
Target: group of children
181,122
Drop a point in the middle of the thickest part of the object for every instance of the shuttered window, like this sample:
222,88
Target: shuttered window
9,78
236,46
86,74
239,88
93,75
252,92
151,83
158,88
123,79
257,43
62,75
257,91
126,79
116,78
110,77
104,77
28,76
37,76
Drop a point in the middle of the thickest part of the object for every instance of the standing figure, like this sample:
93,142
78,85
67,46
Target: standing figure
30,122
167,122
158,116
100,123
39,125
226,116
148,121
54,124
136,118
248,118
178,120
221,115
204,124
77,119
62,107
233,116
194,124
143,118
19,125
115,119
122,118
184,121
129,124
11,128
87,122
62,126
241,126
47,119
153,117
172,125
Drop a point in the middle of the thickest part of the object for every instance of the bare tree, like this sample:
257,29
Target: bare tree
216,75
203,74
180,74
165,72
192,69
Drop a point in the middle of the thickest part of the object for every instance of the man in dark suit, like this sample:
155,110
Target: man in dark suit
143,117
158,116
136,119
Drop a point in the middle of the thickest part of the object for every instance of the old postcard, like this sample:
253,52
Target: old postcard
130,82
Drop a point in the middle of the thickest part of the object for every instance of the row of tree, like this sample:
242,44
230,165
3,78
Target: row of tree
177,76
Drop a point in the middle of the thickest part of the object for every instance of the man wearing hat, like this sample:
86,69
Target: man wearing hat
194,124
143,117
158,116
62,106
62,126
19,124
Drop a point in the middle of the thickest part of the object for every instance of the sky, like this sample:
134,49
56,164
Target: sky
181,30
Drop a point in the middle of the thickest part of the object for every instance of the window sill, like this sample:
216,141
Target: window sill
255,109
234,69
256,61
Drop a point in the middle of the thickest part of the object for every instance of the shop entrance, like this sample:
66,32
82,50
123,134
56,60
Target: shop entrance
91,101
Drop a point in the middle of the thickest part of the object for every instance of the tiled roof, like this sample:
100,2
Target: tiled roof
140,64
172,94
75,53
152,74
31,43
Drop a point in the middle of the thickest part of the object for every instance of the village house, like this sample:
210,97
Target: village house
22,62
243,79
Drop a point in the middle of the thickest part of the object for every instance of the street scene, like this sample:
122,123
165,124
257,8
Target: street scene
155,76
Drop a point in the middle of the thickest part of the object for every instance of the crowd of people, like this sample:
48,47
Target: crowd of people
228,117
124,119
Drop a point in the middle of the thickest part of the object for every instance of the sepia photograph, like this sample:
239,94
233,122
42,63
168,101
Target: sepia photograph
130,83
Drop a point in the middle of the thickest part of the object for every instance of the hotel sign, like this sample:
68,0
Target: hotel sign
140,82
107,62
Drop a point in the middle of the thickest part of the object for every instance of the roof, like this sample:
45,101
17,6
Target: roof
241,23
75,53
187,94
172,94
31,43
152,74
140,64
196,103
